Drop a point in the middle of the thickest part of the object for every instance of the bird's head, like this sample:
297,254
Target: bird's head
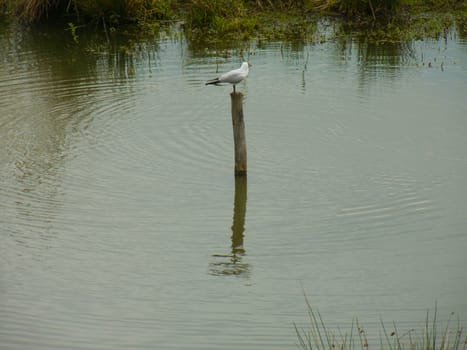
245,66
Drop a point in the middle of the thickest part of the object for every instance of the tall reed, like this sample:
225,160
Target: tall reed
433,336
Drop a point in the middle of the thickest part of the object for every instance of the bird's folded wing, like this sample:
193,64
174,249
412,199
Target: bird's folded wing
234,76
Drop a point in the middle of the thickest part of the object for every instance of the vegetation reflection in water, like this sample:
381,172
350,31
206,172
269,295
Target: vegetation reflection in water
53,94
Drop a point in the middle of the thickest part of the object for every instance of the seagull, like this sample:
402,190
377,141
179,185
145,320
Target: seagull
233,77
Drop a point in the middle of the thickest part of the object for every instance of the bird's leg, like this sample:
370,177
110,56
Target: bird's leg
234,89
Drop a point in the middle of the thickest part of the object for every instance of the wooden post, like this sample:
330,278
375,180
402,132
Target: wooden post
238,126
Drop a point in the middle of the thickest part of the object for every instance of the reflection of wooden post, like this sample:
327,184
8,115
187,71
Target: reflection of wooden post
238,224
239,133
231,263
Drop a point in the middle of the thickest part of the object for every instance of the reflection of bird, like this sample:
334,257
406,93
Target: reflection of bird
233,77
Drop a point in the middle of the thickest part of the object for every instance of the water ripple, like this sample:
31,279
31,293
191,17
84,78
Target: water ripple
117,196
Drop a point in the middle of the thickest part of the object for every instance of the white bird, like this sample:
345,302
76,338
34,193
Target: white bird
233,77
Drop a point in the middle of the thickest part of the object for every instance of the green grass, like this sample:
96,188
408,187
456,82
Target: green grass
432,336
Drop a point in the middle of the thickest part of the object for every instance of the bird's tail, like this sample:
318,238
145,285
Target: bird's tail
213,81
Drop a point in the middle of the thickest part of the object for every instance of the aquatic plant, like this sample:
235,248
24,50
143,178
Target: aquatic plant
72,28
432,336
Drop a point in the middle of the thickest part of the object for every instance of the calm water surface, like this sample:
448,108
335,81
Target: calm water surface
123,227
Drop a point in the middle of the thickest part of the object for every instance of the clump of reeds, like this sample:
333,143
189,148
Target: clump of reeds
224,18
277,4
117,10
34,10
432,337
3,7
358,8
205,13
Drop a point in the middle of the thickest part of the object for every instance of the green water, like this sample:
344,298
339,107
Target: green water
123,227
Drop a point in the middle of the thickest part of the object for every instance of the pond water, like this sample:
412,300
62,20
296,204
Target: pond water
123,227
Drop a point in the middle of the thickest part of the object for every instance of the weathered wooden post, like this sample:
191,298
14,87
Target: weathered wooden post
238,126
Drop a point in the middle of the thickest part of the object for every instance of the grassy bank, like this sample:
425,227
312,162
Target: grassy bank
433,335
208,12
241,18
